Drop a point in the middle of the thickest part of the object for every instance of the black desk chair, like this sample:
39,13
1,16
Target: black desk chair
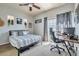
56,40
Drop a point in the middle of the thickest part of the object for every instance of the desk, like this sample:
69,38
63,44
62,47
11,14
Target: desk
66,39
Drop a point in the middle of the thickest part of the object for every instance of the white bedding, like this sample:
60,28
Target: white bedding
21,41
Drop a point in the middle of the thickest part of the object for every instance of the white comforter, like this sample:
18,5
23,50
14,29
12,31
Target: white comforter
21,41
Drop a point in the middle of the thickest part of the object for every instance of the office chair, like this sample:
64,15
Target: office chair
56,40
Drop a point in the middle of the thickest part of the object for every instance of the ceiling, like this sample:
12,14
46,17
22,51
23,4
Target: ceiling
43,7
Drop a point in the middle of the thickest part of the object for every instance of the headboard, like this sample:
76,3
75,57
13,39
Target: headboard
19,32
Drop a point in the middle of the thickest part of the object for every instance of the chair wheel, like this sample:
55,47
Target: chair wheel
50,49
63,50
59,52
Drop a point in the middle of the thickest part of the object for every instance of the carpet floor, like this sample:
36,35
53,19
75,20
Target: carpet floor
44,50
37,50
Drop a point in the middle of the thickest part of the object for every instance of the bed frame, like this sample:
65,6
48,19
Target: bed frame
22,49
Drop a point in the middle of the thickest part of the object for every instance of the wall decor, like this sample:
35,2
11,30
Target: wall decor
30,25
19,20
25,24
10,20
38,21
1,22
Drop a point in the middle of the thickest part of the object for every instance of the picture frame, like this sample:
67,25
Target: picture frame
30,25
10,20
38,21
1,22
19,20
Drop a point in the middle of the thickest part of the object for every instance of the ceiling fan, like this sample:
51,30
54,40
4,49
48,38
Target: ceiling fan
30,5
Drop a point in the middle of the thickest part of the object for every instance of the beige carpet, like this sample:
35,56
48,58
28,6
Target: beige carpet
43,50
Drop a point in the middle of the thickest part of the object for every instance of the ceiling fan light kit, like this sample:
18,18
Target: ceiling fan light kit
30,5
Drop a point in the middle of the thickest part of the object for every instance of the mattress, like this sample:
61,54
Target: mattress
21,41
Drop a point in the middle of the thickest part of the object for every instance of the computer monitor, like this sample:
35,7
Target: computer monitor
70,31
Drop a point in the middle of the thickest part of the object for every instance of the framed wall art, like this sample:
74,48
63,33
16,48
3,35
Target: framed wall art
38,21
10,20
30,25
1,22
19,20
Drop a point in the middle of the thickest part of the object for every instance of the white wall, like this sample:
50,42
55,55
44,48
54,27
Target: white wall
38,28
4,12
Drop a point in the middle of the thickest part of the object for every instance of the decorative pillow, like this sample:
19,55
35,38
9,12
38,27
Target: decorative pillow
25,32
20,33
14,34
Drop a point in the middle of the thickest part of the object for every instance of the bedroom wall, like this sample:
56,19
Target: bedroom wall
4,12
38,28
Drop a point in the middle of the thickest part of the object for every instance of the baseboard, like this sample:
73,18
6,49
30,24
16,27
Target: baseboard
4,43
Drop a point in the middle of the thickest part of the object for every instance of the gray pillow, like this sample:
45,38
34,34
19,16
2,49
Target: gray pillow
20,33
14,34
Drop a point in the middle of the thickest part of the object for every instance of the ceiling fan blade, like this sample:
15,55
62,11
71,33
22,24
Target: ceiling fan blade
24,4
30,8
36,6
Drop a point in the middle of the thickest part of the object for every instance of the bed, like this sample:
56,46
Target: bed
22,39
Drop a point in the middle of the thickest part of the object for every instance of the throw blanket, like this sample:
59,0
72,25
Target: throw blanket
21,41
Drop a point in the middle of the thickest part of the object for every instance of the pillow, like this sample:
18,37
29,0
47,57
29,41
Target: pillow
25,32
20,33
14,34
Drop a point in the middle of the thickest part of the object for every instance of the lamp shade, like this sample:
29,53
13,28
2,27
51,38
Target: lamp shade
10,17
